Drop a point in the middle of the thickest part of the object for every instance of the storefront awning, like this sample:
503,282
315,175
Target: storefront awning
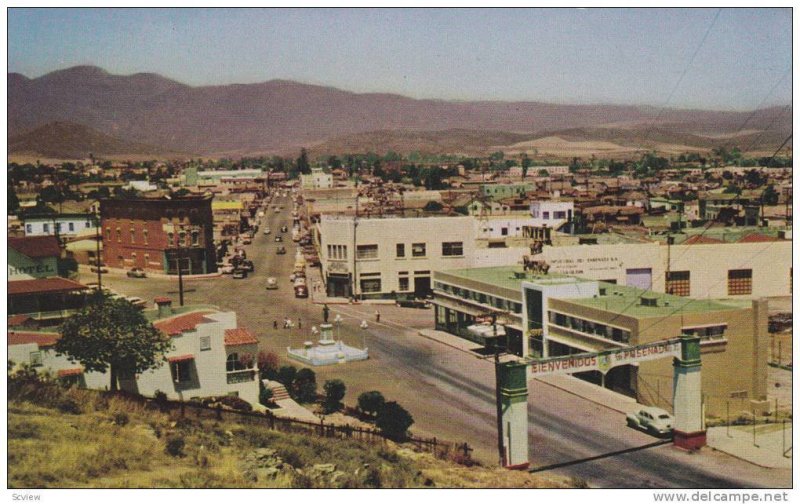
180,358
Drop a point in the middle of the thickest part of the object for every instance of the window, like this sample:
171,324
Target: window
108,234
88,224
337,252
709,331
182,239
119,235
452,248
36,358
677,283
205,342
181,371
146,259
402,284
58,227
233,364
145,235
195,238
370,285
559,215
46,228
133,235
170,239
71,226
367,252
418,250
401,250
28,229
740,282
546,215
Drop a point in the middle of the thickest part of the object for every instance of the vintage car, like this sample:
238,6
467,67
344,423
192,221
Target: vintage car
300,291
239,273
136,273
656,421
272,283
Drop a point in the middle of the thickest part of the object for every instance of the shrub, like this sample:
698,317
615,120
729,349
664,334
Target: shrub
121,418
175,444
394,421
286,375
69,405
265,396
160,397
371,402
334,393
268,365
304,386
236,403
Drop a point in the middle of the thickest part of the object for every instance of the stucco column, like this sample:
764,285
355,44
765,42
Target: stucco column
514,414
687,396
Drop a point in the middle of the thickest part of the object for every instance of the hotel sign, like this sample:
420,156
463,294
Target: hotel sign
605,360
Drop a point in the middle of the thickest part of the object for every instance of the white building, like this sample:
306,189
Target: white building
59,224
317,179
552,213
211,356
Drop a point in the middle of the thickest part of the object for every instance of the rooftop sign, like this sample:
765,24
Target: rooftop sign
606,360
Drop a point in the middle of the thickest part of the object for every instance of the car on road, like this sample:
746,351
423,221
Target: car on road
248,266
300,291
239,273
413,303
284,229
246,240
281,250
137,302
278,239
272,283
655,421
267,231
136,273
101,268
227,269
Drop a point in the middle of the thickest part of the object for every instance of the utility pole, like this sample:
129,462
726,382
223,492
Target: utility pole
355,259
98,262
180,271
498,405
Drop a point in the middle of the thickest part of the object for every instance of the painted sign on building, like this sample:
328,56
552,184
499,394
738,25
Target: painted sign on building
605,360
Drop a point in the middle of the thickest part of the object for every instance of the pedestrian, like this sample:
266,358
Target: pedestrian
377,316
299,323
286,322
274,324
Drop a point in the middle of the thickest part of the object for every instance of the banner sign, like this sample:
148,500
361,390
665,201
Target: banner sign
603,361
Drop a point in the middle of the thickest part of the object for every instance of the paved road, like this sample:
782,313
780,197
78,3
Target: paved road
449,392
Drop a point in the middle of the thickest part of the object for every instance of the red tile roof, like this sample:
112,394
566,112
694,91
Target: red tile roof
69,372
43,286
174,326
701,240
42,339
36,246
757,238
16,320
180,358
239,336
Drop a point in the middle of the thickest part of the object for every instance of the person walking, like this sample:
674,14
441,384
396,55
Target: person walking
299,323
274,324
377,316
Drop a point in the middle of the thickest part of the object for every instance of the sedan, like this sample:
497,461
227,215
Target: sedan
136,273
656,421
278,239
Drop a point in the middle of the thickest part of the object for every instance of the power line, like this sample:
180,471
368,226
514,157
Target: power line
758,107
683,74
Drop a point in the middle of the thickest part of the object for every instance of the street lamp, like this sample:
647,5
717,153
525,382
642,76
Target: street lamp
364,327
338,322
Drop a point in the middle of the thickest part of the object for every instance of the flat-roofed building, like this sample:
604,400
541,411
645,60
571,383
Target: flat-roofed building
553,315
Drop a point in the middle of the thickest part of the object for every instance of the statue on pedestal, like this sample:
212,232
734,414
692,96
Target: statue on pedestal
325,313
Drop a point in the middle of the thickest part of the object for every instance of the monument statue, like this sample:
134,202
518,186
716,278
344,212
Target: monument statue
325,313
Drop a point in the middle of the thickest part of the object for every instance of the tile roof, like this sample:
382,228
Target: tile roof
69,372
757,238
16,320
174,326
180,358
43,285
36,246
239,336
701,240
42,339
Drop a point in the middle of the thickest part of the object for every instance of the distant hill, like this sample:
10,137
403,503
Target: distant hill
278,115
66,140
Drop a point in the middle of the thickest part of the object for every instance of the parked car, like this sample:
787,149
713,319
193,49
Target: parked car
272,283
101,268
281,250
267,231
239,273
227,269
284,229
136,273
655,421
413,303
278,239
299,280
137,302
247,265
300,291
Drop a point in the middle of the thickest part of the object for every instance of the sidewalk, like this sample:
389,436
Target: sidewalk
290,409
769,441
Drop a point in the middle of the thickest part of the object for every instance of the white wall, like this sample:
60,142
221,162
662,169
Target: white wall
36,227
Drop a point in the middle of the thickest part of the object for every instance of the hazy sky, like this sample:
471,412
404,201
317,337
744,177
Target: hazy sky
631,56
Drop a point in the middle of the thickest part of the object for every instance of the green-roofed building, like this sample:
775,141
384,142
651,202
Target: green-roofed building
548,315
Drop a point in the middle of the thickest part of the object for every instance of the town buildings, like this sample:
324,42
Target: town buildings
65,225
547,315
156,233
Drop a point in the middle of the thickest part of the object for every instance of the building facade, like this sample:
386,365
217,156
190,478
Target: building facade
62,225
155,234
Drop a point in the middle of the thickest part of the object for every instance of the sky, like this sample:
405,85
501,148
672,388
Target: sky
730,59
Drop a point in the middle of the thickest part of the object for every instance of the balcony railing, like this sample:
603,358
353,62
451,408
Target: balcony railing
245,375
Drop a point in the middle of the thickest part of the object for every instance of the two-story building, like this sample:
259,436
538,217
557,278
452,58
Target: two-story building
64,225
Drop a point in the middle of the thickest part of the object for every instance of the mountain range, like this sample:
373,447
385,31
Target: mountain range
146,111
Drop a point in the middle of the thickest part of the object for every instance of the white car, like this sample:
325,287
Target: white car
272,283
656,421
267,231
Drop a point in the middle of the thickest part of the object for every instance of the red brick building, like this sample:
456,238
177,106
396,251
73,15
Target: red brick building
152,234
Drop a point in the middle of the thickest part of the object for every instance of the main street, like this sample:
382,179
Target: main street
449,392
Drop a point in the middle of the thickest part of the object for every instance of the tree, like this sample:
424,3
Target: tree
286,375
394,421
302,162
770,195
433,206
526,164
304,387
13,201
371,402
334,393
112,334
268,365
